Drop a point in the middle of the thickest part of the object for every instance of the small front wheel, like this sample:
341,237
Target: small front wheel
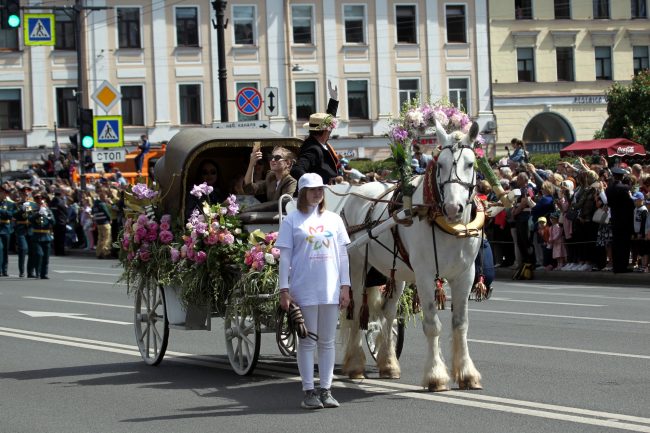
243,339
151,324
374,332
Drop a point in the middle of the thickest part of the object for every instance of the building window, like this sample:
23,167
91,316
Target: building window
128,27
358,99
456,31
406,24
187,27
524,9
564,58
639,9
64,28
66,107
640,56
305,99
525,64
408,91
132,105
189,98
354,17
603,63
301,20
243,18
10,109
562,9
458,89
601,9
242,117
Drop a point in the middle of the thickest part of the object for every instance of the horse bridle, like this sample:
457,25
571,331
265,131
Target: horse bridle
453,174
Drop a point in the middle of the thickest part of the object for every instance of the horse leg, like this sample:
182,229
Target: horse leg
387,362
436,376
463,370
354,360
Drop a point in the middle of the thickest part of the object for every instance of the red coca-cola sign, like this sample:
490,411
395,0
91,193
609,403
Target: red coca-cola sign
625,150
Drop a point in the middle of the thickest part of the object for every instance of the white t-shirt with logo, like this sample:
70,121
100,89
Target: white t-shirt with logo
316,241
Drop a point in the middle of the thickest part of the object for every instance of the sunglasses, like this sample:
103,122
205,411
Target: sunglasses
276,158
209,173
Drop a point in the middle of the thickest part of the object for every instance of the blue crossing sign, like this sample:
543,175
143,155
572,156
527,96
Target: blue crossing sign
249,101
39,29
108,131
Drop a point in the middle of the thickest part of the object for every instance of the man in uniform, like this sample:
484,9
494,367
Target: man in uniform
621,207
59,209
42,222
7,210
102,219
24,232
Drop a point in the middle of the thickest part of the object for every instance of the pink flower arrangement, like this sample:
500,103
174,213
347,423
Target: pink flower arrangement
263,253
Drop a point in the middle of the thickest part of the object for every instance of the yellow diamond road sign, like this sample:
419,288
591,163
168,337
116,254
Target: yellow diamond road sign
106,96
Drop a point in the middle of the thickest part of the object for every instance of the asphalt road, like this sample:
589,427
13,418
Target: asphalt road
554,357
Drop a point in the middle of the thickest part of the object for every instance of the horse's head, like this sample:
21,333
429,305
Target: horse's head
455,174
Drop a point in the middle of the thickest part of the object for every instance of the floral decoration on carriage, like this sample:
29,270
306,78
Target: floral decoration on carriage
207,257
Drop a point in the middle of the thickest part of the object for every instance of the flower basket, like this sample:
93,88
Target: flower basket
191,316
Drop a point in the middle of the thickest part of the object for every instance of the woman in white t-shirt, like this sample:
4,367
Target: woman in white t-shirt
315,274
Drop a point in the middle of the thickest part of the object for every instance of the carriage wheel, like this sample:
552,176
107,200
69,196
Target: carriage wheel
151,325
374,328
243,339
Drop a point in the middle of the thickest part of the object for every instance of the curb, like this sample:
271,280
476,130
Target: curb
578,277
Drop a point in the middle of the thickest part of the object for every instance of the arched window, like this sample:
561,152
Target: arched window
547,133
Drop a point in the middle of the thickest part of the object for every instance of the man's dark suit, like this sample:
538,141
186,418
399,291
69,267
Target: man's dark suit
621,207
314,158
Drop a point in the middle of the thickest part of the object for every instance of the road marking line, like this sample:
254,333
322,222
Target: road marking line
560,316
560,349
75,316
78,302
544,302
530,408
96,282
573,295
88,273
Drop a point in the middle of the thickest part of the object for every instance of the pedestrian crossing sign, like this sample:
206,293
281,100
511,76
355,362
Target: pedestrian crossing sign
108,131
39,29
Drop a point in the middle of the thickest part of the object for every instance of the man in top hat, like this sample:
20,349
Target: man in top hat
25,207
7,210
316,154
621,208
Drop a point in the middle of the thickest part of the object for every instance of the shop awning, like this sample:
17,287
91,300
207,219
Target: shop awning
605,147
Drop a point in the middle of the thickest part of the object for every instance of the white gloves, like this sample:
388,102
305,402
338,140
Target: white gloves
334,91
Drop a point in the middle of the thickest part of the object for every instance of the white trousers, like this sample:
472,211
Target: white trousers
321,320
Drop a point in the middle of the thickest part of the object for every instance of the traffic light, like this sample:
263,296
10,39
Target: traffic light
13,13
86,129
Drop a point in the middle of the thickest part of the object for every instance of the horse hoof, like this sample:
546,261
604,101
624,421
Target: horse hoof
438,387
356,375
389,374
472,385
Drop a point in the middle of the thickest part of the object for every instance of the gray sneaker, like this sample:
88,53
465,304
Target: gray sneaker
311,400
326,398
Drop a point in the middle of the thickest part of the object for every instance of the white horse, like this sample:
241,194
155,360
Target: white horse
455,178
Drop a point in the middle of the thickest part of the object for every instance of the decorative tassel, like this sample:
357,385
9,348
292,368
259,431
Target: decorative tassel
349,313
480,289
415,302
364,313
441,296
390,285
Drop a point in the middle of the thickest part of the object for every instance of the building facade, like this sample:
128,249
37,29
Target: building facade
553,60
162,57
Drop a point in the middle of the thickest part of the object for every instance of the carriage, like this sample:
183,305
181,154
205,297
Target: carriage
159,307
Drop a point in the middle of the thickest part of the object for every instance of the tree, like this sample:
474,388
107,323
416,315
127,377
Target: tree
628,108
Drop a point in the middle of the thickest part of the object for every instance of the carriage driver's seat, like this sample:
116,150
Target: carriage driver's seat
269,212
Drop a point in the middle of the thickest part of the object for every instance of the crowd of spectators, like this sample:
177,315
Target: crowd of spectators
578,216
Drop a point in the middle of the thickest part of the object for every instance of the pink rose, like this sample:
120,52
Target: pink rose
164,226
125,243
153,226
130,256
200,257
228,239
166,237
151,236
141,232
145,255
248,259
142,219
191,253
275,252
166,219
212,239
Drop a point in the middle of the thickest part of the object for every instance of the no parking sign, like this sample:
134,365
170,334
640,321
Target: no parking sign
249,101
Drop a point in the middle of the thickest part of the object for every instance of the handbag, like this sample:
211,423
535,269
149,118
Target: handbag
601,216
572,214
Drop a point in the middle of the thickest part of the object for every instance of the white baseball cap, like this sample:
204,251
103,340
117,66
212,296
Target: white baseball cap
310,180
